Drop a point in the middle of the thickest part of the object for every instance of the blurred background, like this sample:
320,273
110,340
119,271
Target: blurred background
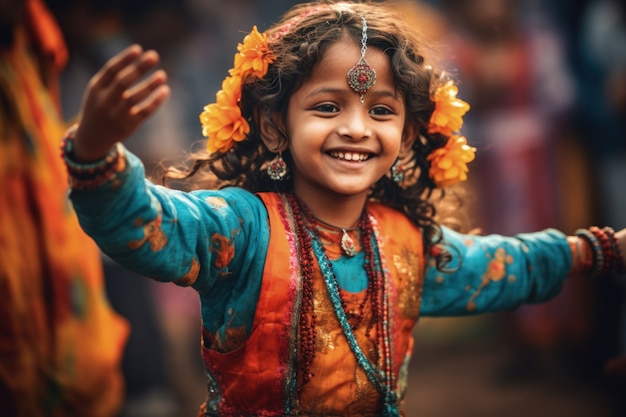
547,84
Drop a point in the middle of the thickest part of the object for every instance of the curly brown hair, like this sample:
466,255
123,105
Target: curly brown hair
299,41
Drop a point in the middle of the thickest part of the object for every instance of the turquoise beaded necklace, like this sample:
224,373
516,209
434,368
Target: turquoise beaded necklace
381,379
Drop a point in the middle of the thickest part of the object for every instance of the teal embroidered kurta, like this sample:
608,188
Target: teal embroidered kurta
216,242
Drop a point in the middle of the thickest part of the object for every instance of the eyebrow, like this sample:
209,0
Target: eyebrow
332,90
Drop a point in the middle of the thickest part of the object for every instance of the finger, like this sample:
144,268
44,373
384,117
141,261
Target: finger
113,66
135,71
140,91
151,103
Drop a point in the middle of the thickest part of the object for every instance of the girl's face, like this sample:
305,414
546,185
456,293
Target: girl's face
340,147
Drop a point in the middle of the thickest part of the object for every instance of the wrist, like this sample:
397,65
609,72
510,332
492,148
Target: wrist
598,251
83,151
85,175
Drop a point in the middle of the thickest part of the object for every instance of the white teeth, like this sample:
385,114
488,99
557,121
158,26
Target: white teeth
349,156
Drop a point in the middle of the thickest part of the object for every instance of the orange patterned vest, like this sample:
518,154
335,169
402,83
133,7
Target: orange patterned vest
260,377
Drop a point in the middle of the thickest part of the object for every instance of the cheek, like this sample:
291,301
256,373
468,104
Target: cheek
394,139
300,149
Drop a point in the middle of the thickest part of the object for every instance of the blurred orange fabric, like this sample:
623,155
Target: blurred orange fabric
60,341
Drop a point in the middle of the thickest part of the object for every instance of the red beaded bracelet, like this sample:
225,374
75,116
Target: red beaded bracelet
620,264
605,246
87,176
606,251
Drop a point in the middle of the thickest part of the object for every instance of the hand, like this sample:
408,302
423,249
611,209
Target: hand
117,101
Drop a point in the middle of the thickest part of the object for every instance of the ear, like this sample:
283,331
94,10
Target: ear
271,129
409,135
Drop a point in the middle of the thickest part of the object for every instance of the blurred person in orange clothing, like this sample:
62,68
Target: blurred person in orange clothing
60,341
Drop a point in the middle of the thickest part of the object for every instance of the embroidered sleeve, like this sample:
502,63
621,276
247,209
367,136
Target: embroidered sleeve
201,239
496,273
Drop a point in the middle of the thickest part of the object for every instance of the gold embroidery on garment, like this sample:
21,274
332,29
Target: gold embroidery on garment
366,397
496,271
410,285
334,361
224,249
235,337
116,183
216,202
325,338
190,277
152,234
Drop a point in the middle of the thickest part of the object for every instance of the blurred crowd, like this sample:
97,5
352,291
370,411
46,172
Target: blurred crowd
547,84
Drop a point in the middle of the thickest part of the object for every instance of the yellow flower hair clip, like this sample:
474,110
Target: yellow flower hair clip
448,165
222,121
449,110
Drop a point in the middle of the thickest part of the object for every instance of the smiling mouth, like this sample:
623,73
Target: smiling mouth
350,156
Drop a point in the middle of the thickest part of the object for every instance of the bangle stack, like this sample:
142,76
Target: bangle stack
619,263
602,249
94,174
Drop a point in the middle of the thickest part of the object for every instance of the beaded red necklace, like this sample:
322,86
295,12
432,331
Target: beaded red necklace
305,222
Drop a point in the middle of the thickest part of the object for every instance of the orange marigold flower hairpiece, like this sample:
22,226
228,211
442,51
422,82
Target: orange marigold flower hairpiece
222,121
254,55
448,165
449,110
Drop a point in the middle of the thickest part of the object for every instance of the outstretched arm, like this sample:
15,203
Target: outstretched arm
495,273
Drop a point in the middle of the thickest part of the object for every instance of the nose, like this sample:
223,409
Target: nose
355,124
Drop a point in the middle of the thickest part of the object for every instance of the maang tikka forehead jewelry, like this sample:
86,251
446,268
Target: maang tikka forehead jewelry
362,76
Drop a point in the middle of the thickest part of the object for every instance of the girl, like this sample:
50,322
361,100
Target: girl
319,250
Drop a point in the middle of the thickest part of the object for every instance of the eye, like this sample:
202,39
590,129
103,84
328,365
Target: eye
381,111
327,108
